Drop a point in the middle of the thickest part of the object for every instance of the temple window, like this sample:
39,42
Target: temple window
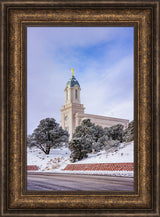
76,94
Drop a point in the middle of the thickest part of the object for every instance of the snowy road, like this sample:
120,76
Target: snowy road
74,182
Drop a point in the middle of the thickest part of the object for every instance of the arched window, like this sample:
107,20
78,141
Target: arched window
76,93
67,95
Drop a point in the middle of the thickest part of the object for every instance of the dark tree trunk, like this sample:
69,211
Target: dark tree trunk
47,149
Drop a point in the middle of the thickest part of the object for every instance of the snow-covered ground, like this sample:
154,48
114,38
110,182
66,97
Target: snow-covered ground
58,159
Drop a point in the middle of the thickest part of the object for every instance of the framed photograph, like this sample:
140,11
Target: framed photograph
76,136
69,68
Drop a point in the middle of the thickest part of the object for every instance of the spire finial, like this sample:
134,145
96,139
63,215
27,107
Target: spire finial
72,72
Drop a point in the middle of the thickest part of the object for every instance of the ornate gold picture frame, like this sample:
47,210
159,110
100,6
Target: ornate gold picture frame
144,17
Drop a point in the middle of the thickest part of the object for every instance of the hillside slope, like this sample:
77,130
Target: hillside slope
58,159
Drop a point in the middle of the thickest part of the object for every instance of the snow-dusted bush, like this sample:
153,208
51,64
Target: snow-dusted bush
115,132
86,131
95,138
128,134
78,150
30,141
100,144
90,133
48,134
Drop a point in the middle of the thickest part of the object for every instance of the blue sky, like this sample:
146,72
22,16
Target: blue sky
102,58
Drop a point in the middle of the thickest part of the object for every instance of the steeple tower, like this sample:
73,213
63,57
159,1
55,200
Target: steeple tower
72,113
72,91
72,105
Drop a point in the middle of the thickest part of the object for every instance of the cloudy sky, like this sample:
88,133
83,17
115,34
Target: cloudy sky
102,58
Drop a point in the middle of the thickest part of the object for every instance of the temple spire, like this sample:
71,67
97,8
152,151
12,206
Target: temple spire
72,72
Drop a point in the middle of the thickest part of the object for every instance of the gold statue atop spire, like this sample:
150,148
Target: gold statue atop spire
72,72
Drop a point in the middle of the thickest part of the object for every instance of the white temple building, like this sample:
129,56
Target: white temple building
72,113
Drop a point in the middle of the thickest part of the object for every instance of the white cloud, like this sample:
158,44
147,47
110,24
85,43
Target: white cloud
107,93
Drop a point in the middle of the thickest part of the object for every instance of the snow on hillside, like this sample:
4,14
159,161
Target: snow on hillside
123,154
58,159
